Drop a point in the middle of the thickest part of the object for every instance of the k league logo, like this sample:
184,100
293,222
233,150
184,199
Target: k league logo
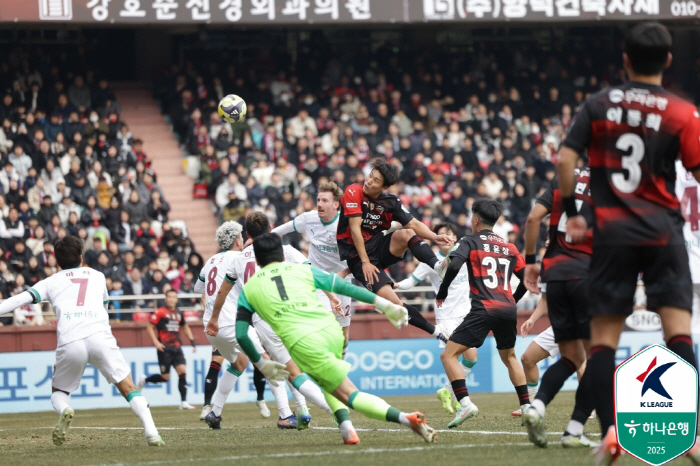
656,403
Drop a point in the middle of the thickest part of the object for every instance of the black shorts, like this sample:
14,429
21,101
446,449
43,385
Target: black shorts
476,327
214,351
613,278
567,302
170,356
380,255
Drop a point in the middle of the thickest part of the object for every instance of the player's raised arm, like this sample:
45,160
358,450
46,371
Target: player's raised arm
297,224
16,301
396,314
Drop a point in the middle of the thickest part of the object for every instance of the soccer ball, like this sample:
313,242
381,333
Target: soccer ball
232,108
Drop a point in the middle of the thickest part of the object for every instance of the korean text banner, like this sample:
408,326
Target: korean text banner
272,12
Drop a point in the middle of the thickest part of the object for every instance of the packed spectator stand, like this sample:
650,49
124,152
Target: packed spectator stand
70,166
460,125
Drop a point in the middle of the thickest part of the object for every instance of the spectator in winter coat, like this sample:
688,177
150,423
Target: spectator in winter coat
136,208
79,95
20,161
82,190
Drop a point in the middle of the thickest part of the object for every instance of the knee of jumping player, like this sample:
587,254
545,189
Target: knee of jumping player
528,360
165,376
403,236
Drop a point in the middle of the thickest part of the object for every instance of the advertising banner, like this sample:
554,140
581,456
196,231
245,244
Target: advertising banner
380,367
272,12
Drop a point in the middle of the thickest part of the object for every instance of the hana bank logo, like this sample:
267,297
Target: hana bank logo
651,380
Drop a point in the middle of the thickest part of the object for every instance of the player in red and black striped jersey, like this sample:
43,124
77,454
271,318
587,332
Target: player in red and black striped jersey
633,135
164,330
366,212
491,261
565,275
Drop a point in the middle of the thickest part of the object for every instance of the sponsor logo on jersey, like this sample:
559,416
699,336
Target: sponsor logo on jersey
351,205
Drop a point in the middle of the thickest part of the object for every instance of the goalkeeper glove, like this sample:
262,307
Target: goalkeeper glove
273,371
397,315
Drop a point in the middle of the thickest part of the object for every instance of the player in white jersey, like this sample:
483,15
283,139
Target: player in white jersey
454,309
239,271
688,191
321,228
212,277
79,299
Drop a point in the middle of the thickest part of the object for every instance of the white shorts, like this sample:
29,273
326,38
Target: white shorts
546,341
100,350
271,342
449,326
227,344
345,302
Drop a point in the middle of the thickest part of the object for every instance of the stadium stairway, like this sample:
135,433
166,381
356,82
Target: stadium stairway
141,112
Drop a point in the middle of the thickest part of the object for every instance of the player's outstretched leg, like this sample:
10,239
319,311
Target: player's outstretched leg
287,419
226,384
302,411
139,406
455,374
59,400
532,355
376,408
311,391
342,417
210,383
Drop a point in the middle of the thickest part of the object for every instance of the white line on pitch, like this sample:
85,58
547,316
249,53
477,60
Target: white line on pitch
319,453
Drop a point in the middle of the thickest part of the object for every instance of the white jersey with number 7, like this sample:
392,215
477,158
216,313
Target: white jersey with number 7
79,299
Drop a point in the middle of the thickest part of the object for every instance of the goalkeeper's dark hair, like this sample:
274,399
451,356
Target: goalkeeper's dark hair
256,224
449,228
68,251
488,211
647,46
389,172
268,249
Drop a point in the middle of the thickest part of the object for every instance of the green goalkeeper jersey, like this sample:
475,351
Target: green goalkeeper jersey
284,296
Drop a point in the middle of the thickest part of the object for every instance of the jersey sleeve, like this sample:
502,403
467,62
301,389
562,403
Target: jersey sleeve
352,201
401,213
421,272
105,296
39,292
293,256
231,274
519,262
690,142
155,317
243,302
462,249
547,198
580,130
292,225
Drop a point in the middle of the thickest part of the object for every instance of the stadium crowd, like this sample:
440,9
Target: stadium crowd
70,166
459,125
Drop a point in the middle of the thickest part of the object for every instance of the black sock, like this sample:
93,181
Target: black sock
682,345
584,399
417,320
211,381
523,396
155,378
182,386
422,251
259,382
554,378
602,368
459,386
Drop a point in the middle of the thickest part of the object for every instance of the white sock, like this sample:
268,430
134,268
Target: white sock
311,391
403,419
437,265
466,370
574,428
539,406
464,402
223,389
298,398
139,406
532,390
280,394
59,400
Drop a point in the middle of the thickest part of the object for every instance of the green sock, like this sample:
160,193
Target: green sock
373,407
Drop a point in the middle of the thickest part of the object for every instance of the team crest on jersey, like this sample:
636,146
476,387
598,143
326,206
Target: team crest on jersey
380,208
330,238
371,206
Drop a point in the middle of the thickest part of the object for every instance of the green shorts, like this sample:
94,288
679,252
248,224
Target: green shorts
320,355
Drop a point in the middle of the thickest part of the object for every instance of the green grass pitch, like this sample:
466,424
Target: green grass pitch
114,437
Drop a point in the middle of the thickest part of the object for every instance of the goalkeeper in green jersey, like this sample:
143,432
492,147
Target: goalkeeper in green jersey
284,296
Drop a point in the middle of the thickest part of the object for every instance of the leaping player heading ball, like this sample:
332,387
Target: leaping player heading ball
366,212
